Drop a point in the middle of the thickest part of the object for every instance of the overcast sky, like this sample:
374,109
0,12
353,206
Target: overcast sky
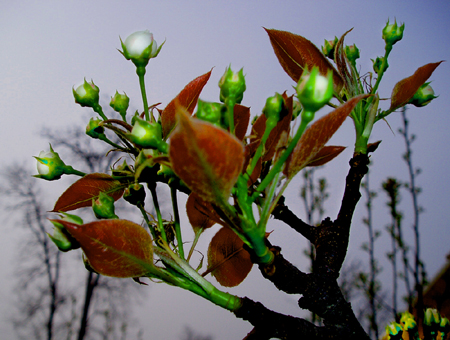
46,47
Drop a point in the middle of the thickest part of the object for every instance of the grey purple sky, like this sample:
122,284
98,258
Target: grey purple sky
46,47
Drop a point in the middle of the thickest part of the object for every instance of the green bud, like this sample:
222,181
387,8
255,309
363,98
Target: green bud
49,165
144,166
392,33
94,129
61,237
314,90
444,327
394,330
377,63
61,240
140,47
134,194
274,107
146,134
103,207
86,94
329,47
423,96
352,53
232,85
432,317
120,103
210,112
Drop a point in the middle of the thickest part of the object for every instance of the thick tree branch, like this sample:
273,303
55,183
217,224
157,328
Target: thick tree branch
321,293
283,213
269,324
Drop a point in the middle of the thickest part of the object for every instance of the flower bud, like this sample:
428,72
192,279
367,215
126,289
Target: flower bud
210,112
49,165
103,206
273,108
329,47
140,47
87,94
61,237
444,327
394,330
352,53
232,85
377,63
431,317
120,103
431,323
146,134
423,96
93,129
134,194
314,90
392,33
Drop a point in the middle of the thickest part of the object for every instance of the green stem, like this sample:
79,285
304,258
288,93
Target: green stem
230,102
194,243
140,71
149,225
68,170
152,187
107,140
173,193
265,213
270,125
98,109
277,167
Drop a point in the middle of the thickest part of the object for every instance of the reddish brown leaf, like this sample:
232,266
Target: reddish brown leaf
207,158
284,125
296,53
228,261
326,154
371,147
81,193
187,98
405,89
116,248
315,137
348,76
241,120
200,213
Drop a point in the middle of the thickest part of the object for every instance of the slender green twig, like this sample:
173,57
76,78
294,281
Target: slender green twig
173,193
161,229
140,71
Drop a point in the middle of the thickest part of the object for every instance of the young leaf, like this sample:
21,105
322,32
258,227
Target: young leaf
81,193
207,158
116,248
187,98
228,261
295,53
241,120
326,154
200,213
405,89
315,137
346,72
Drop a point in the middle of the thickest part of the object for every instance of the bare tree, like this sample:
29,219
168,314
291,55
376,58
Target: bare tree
48,306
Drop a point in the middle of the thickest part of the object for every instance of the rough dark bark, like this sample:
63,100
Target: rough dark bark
321,293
